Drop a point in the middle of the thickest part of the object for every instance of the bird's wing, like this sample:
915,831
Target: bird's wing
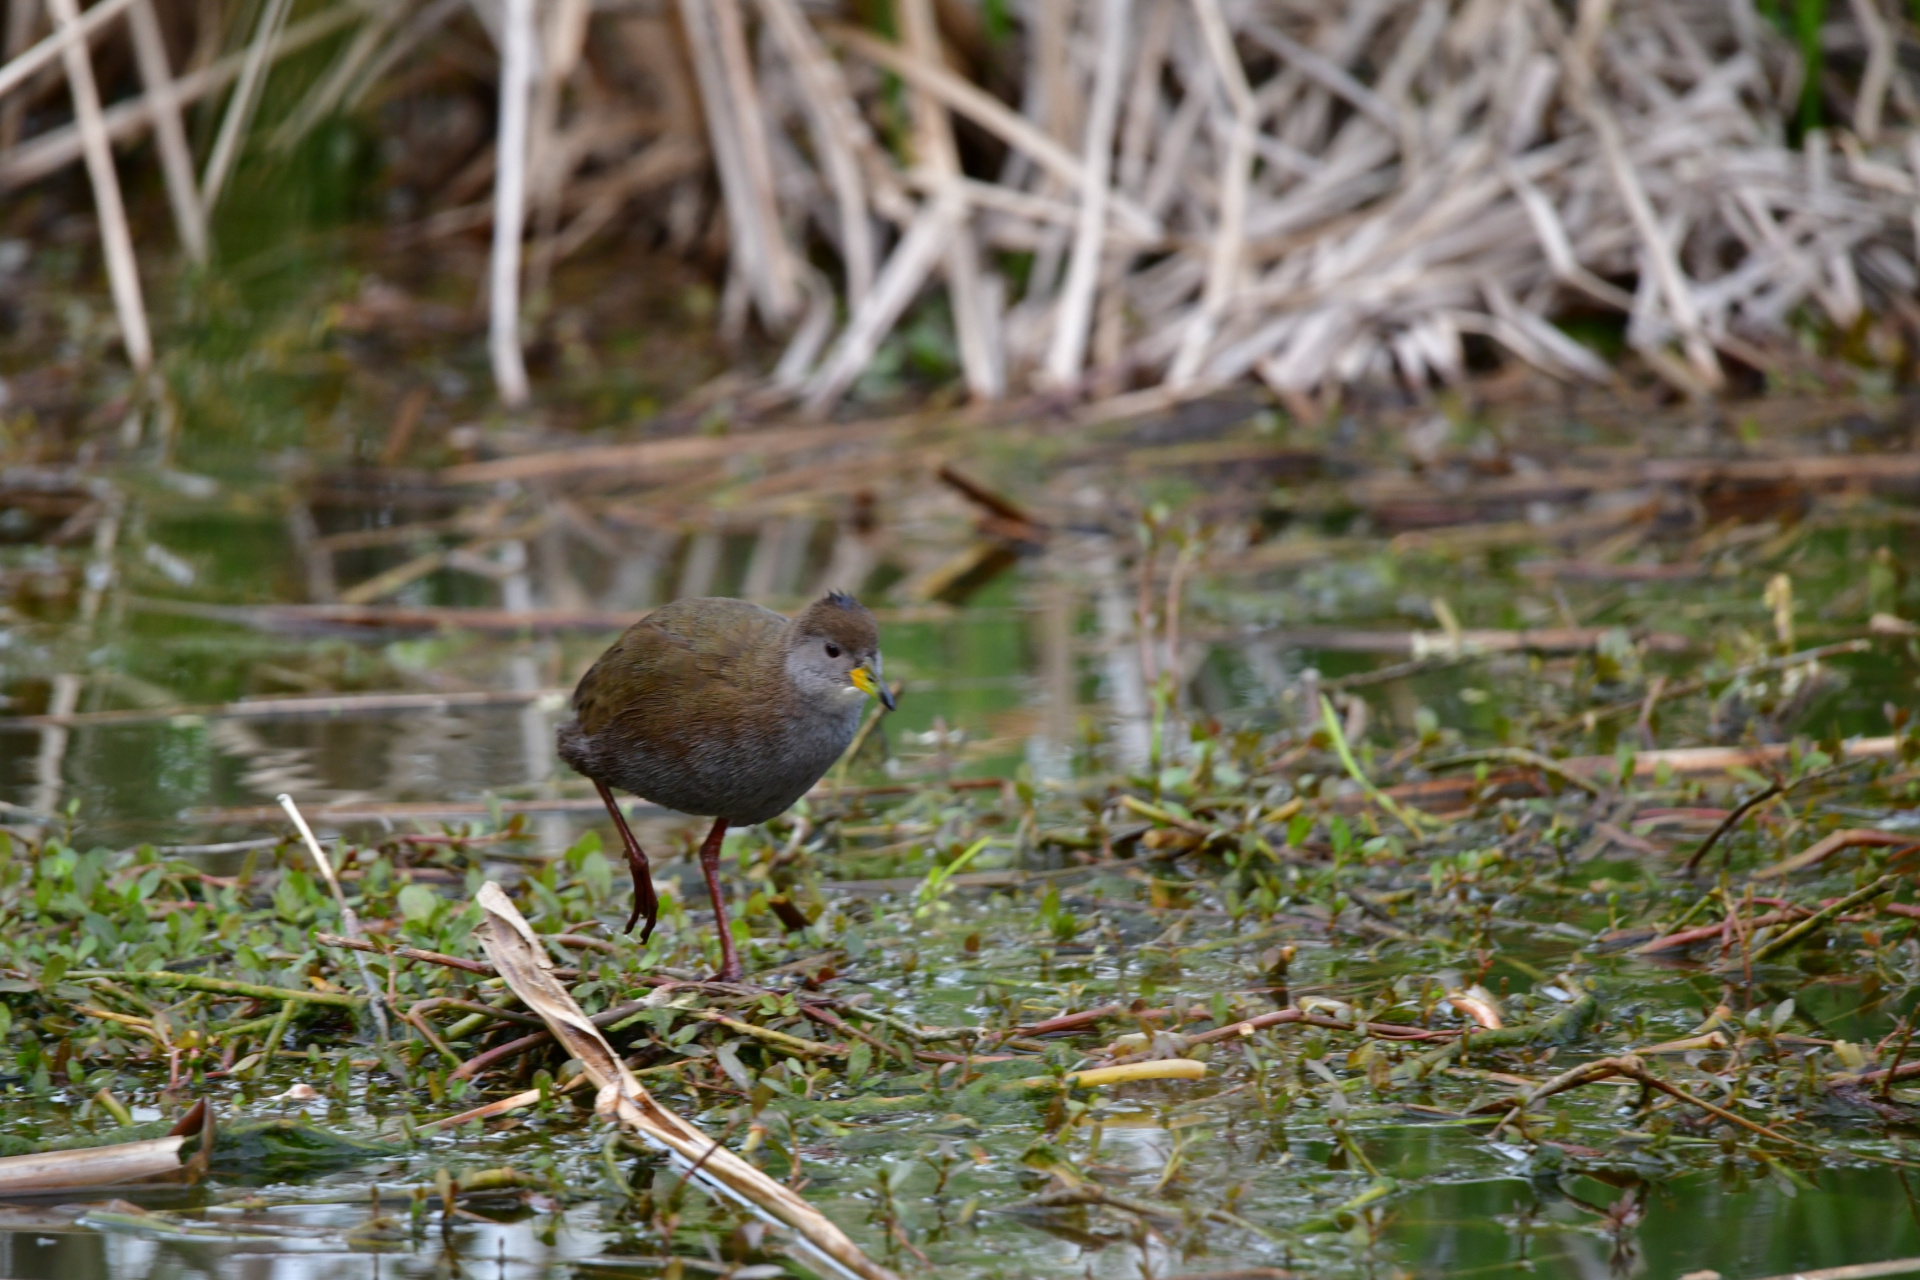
680,663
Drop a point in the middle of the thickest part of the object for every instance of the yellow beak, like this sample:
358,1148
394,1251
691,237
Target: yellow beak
863,680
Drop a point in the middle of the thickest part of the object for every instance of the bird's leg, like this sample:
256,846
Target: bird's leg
730,970
645,902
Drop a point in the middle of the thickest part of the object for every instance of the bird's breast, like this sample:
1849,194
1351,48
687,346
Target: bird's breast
746,771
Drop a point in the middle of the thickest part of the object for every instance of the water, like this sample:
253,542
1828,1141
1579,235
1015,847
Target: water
1493,1226
1004,681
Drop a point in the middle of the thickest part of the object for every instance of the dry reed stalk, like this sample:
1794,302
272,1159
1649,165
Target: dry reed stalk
990,114
176,158
1074,313
340,78
427,21
1229,235
23,18
835,125
48,778
906,270
54,150
349,921
553,152
1877,78
981,362
116,238
246,96
761,257
780,290
510,202
522,962
23,65
1305,194
665,161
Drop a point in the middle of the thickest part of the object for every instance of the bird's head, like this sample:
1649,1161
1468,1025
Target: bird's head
834,653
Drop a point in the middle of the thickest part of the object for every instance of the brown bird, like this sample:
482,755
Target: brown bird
722,709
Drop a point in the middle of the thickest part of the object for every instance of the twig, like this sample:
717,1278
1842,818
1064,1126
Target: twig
276,1033
779,1039
414,953
376,1000
1687,937
1732,820
220,986
1520,756
1655,687
1819,919
1893,1068
828,1019
1585,1073
1826,847
516,952
1630,1066
482,1062
1681,688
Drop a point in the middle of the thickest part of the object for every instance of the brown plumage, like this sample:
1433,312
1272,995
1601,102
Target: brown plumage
722,709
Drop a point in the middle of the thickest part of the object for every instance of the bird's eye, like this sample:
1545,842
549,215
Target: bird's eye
833,651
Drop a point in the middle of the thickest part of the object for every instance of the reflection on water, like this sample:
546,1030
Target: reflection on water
1044,668
1493,1227
971,680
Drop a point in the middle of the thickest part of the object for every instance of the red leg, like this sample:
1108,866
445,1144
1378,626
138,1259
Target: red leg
730,970
645,902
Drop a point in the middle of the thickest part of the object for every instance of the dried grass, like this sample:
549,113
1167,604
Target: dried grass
1181,194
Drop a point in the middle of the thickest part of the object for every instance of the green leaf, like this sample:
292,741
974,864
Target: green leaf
596,872
419,904
581,849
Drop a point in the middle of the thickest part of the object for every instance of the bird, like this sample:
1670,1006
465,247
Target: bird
720,708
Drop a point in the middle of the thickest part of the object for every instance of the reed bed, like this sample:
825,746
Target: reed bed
1142,198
